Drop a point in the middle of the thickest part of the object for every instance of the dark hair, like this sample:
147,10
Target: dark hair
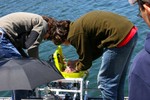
61,32
51,25
140,3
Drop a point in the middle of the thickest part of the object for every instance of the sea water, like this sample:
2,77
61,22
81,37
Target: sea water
71,10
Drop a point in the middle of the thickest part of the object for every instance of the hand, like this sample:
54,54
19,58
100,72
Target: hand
69,70
72,63
70,66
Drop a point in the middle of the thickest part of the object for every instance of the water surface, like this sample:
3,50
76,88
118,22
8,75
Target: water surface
73,9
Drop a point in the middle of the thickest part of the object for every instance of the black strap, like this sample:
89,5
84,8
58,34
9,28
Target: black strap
21,51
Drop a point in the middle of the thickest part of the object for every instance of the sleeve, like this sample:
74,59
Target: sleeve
33,52
97,53
83,48
39,28
39,25
31,39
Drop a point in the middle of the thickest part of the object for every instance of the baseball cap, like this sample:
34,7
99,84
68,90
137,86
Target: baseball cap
134,1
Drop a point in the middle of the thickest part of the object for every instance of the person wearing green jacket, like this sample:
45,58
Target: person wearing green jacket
100,34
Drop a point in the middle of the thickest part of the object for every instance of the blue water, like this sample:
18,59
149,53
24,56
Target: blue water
72,9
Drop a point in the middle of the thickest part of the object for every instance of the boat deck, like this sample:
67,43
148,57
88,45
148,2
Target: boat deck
9,98
75,88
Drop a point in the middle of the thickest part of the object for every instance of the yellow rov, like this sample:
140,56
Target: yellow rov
59,61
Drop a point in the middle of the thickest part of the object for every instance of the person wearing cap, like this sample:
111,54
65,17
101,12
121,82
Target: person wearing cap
23,31
139,74
95,34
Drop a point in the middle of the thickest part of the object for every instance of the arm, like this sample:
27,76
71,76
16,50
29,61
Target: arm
35,38
83,48
31,39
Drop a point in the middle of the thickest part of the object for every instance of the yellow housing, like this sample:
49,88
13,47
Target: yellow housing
60,65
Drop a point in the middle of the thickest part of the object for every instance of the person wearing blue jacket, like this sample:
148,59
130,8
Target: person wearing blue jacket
139,75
